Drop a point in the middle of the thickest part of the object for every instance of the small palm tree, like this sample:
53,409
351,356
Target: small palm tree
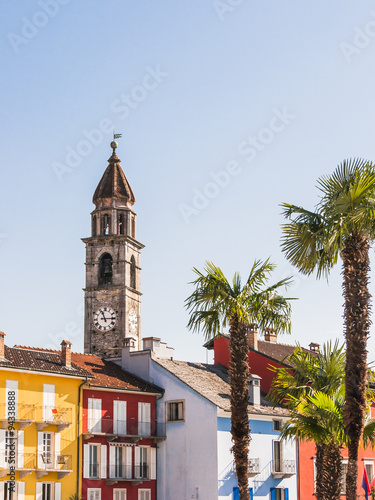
343,224
313,391
216,303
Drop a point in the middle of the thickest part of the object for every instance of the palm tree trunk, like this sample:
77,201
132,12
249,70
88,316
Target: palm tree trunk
239,383
328,471
357,322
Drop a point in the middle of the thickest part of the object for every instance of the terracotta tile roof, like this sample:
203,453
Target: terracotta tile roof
108,374
101,373
212,382
43,360
114,184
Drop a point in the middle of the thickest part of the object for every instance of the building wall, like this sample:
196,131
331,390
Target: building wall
261,447
132,400
187,460
30,392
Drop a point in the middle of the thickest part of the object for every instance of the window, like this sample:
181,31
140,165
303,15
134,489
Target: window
105,270
94,415
120,462
175,411
94,461
277,456
121,224
344,470
141,469
119,494
48,450
144,419
10,491
369,465
119,417
132,272
48,402
144,494
279,494
48,491
106,224
94,455
276,425
93,493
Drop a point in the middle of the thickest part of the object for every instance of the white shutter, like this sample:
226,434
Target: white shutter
137,461
57,438
86,461
2,489
103,461
112,461
57,491
144,419
128,469
48,402
40,450
21,490
94,415
11,385
119,417
20,449
153,463
38,491
2,448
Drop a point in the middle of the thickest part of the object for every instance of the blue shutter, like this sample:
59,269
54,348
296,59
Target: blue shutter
286,494
236,493
273,493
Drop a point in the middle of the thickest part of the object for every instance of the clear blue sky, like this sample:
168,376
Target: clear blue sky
274,94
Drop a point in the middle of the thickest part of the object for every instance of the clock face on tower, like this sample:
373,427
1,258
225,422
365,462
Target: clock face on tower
104,319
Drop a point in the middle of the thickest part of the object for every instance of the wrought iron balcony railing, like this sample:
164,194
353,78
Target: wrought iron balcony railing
126,428
22,413
53,415
283,467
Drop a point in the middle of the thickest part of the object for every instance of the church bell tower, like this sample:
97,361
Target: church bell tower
112,292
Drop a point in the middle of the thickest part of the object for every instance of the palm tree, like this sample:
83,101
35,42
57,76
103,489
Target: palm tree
342,225
216,303
313,391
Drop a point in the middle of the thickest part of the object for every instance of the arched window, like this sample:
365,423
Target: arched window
106,223
93,229
132,272
121,224
105,269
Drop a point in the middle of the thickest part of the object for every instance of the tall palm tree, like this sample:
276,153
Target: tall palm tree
342,225
216,303
313,391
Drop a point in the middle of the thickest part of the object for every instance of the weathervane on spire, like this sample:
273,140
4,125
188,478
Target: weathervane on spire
114,144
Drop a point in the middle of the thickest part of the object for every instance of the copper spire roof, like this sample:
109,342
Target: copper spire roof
113,185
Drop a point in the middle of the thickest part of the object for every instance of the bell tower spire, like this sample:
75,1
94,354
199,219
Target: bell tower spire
112,292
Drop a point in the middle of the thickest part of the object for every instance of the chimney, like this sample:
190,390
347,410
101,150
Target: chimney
66,353
252,336
270,335
2,349
314,347
254,390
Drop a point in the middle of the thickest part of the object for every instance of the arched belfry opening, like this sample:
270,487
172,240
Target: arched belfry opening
133,280
105,270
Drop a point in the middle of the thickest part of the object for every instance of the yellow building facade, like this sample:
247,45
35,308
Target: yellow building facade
39,416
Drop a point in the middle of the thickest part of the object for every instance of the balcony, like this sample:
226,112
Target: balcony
254,467
135,475
283,468
131,429
23,463
58,415
51,462
24,415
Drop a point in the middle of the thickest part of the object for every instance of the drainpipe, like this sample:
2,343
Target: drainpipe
78,435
